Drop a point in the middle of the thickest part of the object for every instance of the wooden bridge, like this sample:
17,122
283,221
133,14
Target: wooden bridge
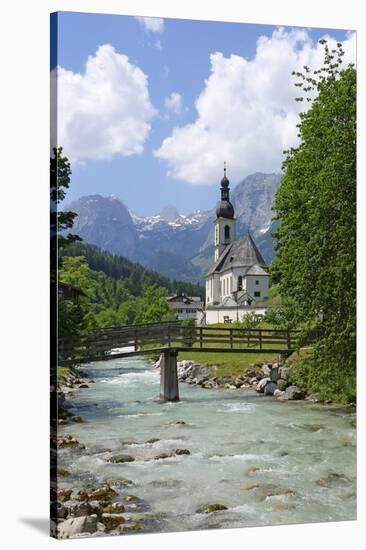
170,338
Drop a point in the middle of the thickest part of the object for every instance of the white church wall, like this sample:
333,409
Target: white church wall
226,287
221,315
257,284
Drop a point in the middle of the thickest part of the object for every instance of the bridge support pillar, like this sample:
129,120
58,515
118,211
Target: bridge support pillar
169,376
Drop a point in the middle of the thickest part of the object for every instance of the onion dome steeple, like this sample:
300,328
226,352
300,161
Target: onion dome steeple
224,208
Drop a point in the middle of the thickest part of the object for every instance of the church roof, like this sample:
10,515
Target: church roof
241,253
256,270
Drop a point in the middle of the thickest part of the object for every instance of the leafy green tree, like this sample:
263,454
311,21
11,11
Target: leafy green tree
153,306
60,171
316,205
76,272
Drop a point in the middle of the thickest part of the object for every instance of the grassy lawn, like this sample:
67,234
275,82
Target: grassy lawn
230,364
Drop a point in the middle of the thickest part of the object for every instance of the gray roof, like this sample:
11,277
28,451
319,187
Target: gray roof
241,253
256,270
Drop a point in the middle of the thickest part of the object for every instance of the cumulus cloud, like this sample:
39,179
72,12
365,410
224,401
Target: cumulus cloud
151,24
246,113
106,110
174,103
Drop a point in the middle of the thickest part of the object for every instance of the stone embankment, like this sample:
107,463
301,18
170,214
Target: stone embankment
267,378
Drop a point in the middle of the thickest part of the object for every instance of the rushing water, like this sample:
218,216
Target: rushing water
268,462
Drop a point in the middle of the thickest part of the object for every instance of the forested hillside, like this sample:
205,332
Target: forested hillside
115,291
135,276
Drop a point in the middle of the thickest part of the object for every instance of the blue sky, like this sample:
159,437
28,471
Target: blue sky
246,113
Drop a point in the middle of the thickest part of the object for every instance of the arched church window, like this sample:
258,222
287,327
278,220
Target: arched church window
227,233
240,282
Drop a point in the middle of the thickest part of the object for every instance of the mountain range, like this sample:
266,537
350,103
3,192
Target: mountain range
178,246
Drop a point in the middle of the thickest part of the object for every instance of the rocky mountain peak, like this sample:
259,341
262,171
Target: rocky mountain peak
169,213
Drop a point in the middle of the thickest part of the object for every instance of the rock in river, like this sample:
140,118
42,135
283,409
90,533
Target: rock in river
111,521
182,452
208,508
262,384
293,392
75,526
270,388
333,479
120,459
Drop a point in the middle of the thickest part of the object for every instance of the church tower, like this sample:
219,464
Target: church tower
224,225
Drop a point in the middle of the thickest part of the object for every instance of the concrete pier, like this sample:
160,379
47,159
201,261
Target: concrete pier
169,376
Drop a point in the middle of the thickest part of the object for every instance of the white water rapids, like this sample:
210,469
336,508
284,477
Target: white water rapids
268,462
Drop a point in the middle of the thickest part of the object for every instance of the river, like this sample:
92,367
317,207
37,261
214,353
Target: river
268,462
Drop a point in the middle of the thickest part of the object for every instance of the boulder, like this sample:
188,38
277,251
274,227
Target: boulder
209,508
75,526
293,393
77,508
201,372
278,393
262,384
239,381
209,384
161,456
67,441
104,493
63,472
253,381
222,380
120,459
64,494
270,388
115,508
112,521
182,452
123,529
333,479
266,369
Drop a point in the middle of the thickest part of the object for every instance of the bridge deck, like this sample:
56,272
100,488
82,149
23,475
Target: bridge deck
150,351
162,337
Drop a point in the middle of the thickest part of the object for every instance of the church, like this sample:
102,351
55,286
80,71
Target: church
238,280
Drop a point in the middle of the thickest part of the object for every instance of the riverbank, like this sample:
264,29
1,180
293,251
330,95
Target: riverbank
267,377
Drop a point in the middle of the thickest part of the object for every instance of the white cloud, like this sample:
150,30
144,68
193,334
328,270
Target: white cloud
106,110
174,103
246,112
152,24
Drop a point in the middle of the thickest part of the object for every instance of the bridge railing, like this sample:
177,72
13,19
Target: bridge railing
172,335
